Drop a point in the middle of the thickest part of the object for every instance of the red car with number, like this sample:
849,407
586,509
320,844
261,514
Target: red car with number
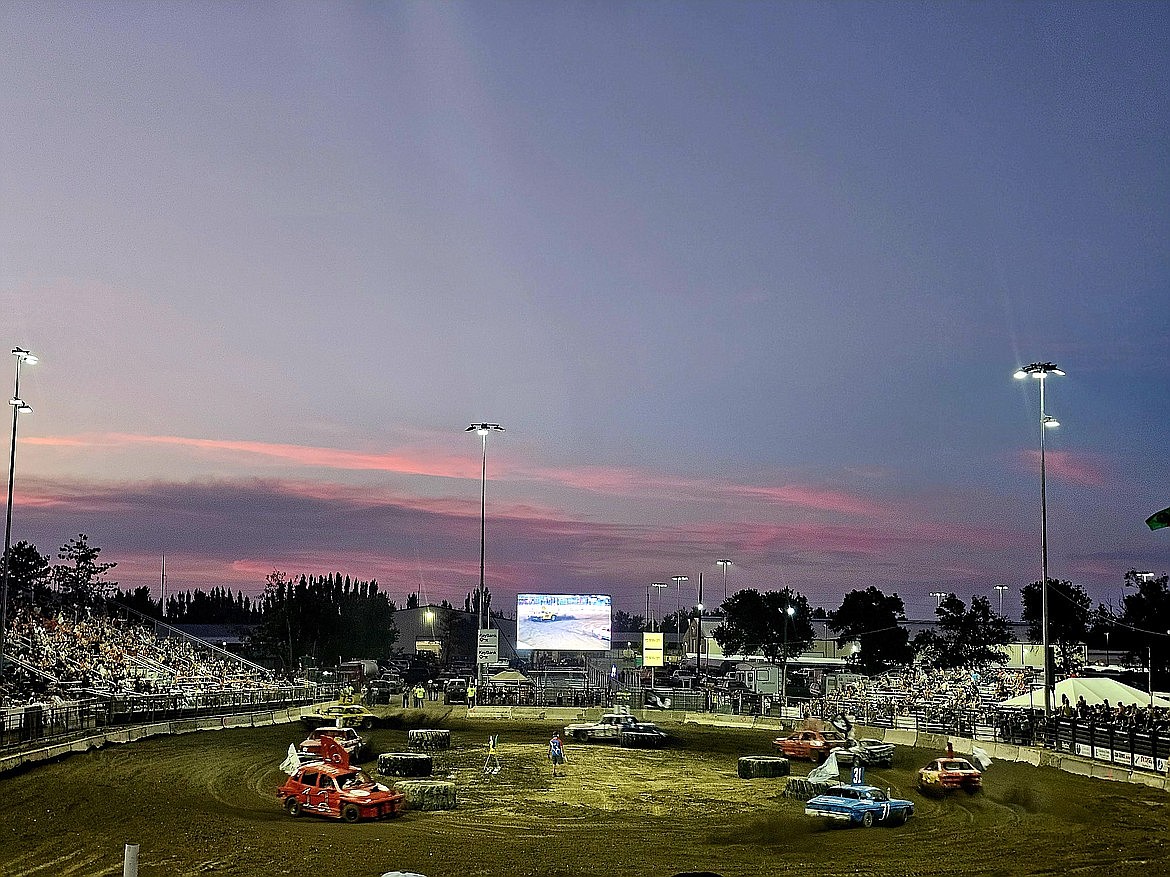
813,745
332,788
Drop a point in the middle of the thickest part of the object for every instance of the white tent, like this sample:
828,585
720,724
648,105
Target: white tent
509,677
1094,691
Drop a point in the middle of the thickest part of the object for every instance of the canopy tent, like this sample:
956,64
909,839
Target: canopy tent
1094,691
509,677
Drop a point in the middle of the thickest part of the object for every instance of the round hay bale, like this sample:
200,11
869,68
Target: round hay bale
802,789
427,794
641,740
754,766
429,739
404,764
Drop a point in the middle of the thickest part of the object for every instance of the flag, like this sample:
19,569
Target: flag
290,764
1158,520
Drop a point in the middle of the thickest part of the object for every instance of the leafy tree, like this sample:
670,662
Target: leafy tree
760,623
29,575
140,601
322,618
625,622
965,637
1069,611
871,619
472,603
1145,615
80,579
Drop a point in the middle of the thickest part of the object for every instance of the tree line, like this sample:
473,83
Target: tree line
778,626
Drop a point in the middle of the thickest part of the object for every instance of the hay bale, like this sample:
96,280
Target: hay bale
427,794
404,764
429,739
755,766
802,789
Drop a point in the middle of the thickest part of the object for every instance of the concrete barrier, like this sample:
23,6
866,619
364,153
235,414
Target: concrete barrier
50,752
490,712
896,736
719,720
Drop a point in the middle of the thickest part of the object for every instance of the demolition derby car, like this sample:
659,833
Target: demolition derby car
347,715
949,773
347,738
331,787
813,745
867,751
623,727
859,805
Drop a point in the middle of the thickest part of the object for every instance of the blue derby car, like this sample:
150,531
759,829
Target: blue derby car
859,805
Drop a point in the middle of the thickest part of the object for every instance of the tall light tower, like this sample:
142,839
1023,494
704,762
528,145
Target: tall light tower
482,429
678,580
725,564
19,406
939,596
1001,589
658,586
1040,371
789,611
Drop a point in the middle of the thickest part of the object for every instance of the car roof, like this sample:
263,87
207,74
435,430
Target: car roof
333,770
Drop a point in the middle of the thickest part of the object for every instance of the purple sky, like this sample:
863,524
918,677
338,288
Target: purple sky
741,280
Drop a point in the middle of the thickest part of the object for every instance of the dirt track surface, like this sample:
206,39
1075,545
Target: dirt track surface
205,804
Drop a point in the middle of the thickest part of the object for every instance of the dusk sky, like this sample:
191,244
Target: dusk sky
740,280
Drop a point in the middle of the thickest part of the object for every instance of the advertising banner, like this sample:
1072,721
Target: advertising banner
487,647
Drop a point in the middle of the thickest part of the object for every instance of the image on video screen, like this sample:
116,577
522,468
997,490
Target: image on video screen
566,622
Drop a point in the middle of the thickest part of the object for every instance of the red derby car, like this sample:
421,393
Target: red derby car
813,745
950,773
333,788
349,740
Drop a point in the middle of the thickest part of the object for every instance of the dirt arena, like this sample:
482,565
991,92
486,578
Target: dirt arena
205,803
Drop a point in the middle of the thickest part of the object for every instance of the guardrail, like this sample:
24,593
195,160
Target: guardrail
38,723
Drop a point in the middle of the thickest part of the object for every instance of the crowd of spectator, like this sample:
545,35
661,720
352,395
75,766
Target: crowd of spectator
93,654
925,694
1118,717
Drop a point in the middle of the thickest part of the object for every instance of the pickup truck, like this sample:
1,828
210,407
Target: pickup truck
617,726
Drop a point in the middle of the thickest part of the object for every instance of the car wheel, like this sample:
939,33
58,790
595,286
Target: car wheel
350,813
367,723
580,735
292,806
867,819
896,818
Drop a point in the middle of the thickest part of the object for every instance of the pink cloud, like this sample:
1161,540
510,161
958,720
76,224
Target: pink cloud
611,481
1081,470
315,457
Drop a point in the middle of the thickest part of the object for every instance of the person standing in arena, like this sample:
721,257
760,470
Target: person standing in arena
556,754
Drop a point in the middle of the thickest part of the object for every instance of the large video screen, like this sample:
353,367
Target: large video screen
563,622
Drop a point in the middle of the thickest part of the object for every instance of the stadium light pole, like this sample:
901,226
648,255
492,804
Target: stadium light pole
939,596
725,564
482,430
19,406
1040,371
658,586
699,642
789,611
1001,589
678,580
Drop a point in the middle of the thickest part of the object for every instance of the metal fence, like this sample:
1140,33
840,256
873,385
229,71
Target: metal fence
39,723
1143,750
